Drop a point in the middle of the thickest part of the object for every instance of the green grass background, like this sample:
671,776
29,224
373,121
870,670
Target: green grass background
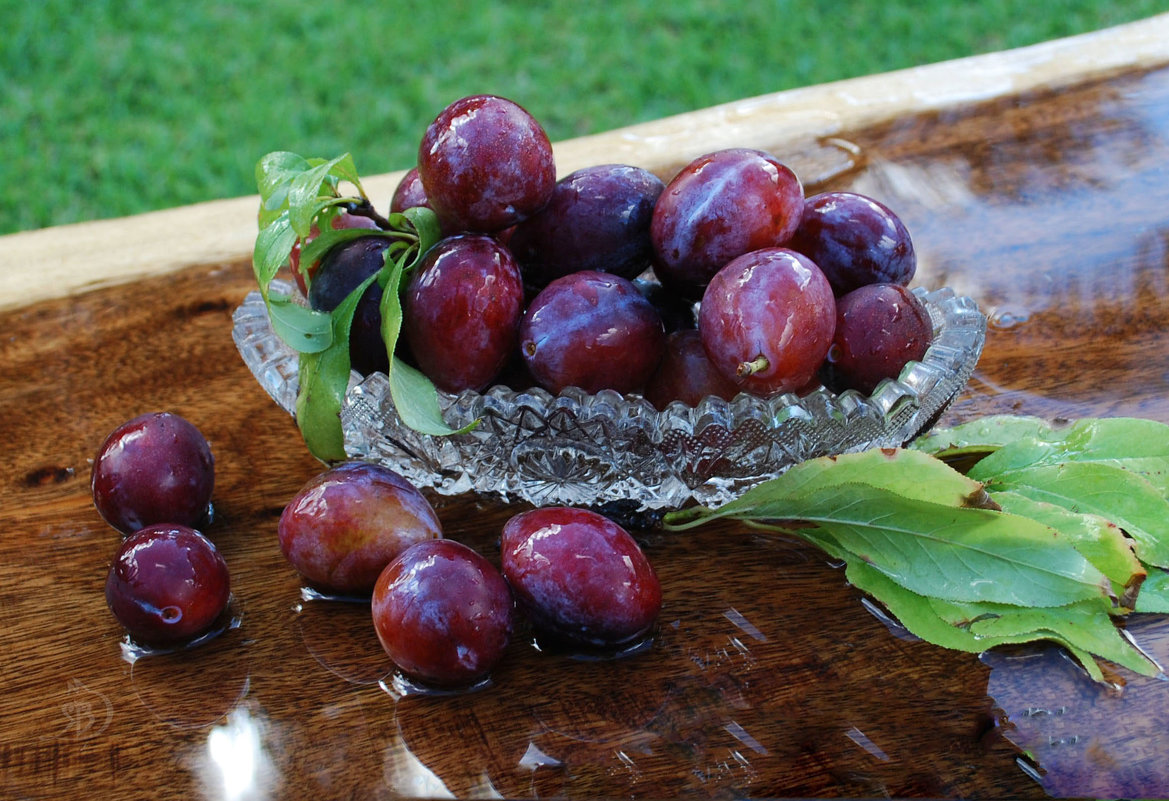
114,107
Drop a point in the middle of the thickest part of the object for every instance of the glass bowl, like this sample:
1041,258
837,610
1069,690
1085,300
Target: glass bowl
617,450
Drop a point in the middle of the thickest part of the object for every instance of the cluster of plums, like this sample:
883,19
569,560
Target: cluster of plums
443,612
727,279
152,480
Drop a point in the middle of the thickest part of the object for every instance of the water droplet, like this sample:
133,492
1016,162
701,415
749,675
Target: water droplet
1006,318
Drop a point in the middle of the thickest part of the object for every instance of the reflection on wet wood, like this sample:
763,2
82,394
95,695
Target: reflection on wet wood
768,677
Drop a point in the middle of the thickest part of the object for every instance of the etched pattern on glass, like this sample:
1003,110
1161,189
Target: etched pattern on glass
580,449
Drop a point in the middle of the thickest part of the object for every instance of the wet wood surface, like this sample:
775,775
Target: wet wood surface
769,675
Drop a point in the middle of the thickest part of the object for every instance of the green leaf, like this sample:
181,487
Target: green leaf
324,378
913,611
274,175
1100,541
1082,628
277,169
319,245
954,553
904,472
270,252
1124,497
343,168
1154,594
304,329
426,226
980,436
921,523
1141,446
305,193
414,395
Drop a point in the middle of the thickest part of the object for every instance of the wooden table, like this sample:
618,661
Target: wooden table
1035,181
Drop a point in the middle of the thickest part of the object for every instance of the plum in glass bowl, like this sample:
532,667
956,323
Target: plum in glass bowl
581,449
569,288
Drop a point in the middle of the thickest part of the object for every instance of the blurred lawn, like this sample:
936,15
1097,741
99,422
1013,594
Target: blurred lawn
113,107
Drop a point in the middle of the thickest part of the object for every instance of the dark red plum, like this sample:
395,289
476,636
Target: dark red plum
580,577
443,614
461,312
686,373
767,320
879,329
409,194
718,207
591,330
167,585
855,241
346,524
485,163
341,221
155,468
342,270
598,218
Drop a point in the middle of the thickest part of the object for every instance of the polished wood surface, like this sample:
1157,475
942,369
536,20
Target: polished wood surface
1045,200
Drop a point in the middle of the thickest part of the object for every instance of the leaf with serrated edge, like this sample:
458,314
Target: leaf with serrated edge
904,472
1100,541
1116,494
919,615
1081,625
957,554
1141,446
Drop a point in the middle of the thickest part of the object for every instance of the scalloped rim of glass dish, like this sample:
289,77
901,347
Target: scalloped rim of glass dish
596,450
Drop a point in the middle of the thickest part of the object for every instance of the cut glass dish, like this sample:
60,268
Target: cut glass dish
604,449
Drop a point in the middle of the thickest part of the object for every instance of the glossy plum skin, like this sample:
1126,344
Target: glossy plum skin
341,271
879,329
485,164
591,330
598,218
155,468
461,311
686,373
580,577
347,523
443,614
167,585
409,193
855,241
767,321
718,207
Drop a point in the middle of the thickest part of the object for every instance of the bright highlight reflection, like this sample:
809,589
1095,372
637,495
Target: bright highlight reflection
238,766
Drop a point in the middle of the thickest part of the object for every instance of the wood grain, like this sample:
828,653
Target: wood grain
769,675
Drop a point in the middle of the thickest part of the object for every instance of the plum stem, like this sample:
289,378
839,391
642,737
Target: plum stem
364,208
750,368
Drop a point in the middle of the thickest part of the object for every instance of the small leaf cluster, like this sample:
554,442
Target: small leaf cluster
299,198
1000,531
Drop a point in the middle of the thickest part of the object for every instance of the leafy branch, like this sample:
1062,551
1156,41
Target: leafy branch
1050,533
299,199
